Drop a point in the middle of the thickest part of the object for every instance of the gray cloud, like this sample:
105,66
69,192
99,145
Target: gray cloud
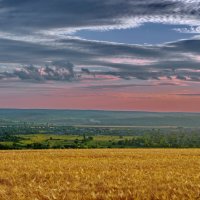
59,71
26,16
188,94
118,86
177,59
85,70
36,32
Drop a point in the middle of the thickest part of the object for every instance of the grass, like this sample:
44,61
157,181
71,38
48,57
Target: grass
145,174
43,137
61,140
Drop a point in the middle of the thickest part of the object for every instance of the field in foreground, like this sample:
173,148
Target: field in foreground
100,174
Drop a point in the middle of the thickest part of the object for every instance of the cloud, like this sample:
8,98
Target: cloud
118,86
40,33
64,17
85,71
63,67
59,71
189,30
178,59
188,94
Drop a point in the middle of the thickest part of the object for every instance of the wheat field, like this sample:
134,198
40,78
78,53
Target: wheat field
100,174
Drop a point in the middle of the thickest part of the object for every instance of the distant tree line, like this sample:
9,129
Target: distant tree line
157,140
153,140
139,138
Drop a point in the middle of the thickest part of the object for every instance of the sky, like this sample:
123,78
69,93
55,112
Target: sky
141,55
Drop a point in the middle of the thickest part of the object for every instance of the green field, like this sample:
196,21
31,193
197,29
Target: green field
59,129
82,141
40,141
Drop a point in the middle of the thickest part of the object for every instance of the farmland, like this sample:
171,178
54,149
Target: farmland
60,159
100,174
79,138
64,129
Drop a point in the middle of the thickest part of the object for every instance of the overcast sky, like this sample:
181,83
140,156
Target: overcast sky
108,54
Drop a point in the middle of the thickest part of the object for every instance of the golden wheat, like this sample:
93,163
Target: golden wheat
100,174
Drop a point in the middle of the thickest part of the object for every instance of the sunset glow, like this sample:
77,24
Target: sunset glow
107,55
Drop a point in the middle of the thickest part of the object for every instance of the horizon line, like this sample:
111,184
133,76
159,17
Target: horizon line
101,110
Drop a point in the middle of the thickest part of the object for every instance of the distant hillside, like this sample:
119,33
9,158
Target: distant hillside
107,118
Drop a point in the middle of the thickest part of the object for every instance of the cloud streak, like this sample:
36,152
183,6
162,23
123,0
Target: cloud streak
176,59
38,38
74,15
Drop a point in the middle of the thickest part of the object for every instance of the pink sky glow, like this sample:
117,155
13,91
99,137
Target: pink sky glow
180,97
